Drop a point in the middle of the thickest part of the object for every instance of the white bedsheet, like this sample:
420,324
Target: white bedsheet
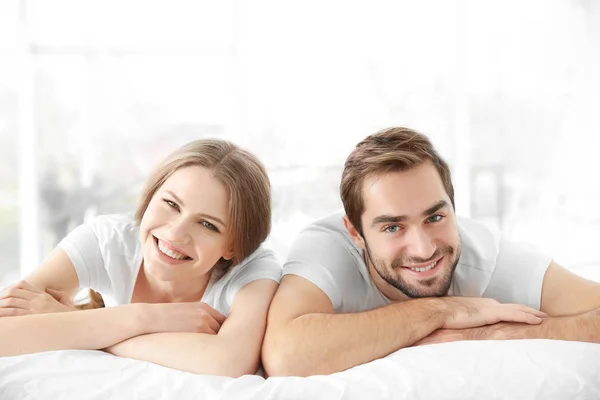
520,369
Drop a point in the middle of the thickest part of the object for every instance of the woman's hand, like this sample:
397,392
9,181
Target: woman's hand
195,317
25,299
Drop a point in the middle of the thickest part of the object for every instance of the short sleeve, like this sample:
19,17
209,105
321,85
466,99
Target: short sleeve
321,257
518,275
262,264
83,248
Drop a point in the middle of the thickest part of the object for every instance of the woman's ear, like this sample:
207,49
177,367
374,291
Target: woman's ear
228,254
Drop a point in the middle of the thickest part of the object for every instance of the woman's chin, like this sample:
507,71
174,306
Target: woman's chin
160,272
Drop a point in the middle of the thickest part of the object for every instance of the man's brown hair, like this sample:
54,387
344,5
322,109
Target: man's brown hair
389,150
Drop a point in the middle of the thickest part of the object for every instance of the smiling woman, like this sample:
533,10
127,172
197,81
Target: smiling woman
186,272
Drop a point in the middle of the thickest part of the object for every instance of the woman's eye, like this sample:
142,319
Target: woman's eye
392,229
172,204
435,218
210,226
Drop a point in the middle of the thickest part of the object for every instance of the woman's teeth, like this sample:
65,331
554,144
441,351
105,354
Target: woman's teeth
423,269
171,253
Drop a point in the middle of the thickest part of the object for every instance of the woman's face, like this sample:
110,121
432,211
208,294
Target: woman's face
183,231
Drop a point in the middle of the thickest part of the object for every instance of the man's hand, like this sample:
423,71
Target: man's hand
471,312
580,328
25,299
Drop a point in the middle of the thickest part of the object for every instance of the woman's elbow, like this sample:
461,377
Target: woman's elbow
232,369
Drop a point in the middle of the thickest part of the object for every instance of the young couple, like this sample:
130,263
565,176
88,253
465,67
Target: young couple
187,284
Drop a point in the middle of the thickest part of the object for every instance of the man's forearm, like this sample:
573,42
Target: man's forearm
326,343
191,352
581,328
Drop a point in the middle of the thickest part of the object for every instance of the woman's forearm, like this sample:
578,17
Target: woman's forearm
84,330
198,353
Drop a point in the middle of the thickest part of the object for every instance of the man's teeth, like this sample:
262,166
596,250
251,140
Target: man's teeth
171,253
423,269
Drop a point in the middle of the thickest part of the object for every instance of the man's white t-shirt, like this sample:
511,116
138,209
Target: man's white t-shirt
489,266
107,256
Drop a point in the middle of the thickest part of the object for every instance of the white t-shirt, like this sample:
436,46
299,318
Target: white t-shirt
489,266
107,256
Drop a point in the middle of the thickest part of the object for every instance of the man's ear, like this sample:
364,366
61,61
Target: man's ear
354,235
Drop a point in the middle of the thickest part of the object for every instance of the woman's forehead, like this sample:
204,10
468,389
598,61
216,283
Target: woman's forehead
199,190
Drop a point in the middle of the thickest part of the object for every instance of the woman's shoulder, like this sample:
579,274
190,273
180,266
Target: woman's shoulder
263,263
261,255
112,223
115,230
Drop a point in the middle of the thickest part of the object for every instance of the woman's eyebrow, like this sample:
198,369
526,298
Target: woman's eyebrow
204,215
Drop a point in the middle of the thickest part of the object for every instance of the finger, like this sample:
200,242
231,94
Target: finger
13,302
524,317
210,331
17,293
60,296
13,312
213,324
533,311
25,285
220,318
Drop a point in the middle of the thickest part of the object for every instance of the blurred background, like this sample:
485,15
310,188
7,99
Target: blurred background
94,93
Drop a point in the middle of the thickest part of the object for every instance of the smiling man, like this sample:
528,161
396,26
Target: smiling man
399,269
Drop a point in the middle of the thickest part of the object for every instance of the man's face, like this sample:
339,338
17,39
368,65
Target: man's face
410,233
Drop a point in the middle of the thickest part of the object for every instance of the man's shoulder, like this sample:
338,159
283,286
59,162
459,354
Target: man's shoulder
480,244
332,223
328,229
326,237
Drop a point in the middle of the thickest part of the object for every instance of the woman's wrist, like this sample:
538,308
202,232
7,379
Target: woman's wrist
144,316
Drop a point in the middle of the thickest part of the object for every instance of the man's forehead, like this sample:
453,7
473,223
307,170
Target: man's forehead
402,193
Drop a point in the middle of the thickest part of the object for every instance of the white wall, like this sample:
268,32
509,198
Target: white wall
99,91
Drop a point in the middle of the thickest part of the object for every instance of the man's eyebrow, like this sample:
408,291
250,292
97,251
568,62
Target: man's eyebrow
383,219
208,216
436,207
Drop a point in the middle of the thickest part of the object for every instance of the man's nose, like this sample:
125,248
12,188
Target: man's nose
419,244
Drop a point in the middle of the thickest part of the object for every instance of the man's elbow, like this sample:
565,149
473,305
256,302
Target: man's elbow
280,366
280,361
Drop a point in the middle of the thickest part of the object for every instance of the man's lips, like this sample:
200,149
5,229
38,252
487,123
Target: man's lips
422,265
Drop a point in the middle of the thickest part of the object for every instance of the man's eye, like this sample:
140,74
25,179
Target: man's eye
392,229
435,218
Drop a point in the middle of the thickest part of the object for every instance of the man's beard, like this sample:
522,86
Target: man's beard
443,283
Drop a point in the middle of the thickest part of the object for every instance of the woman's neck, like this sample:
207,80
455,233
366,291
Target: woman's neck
151,290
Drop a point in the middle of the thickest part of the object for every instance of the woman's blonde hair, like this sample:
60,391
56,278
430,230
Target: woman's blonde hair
248,185
246,180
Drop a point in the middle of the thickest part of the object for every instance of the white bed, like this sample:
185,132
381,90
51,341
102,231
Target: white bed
515,370
520,369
